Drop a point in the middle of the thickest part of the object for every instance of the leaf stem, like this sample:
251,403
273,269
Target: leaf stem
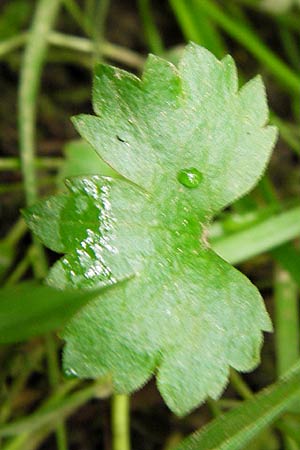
239,385
120,422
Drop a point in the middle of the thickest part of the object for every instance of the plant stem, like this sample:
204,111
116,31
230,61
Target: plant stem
20,269
30,76
186,21
286,320
39,163
286,133
197,26
14,187
112,51
12,43
120,422
109,50
50,415
38,260
30,79
100,16
89,9
288,257
16,232
290,46
239,385
54,378
77,14
151,32
286,330
285,300
228,403
214,407
29,364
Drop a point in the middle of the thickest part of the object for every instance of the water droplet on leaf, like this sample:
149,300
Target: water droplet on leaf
70,373
190,178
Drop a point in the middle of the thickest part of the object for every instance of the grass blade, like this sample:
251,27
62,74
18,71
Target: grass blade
262,237
236,428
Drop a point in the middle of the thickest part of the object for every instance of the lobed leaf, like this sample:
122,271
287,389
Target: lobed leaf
187,143
81,159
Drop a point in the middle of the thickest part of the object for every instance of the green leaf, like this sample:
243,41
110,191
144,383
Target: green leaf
174,118
235,429
188,143
259,238
81,159
30,309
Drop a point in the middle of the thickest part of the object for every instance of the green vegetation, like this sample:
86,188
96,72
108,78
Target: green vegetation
184,313
166,190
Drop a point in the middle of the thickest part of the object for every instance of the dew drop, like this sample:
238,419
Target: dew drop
190,178
70,373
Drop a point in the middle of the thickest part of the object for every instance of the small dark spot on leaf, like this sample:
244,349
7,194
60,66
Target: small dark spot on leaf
120,139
